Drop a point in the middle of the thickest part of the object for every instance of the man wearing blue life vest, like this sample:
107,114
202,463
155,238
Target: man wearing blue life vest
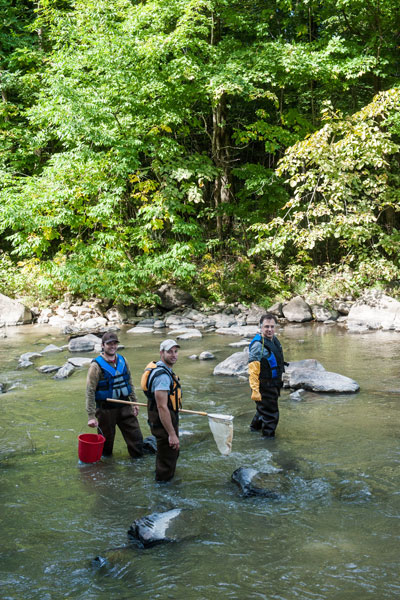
266,366
163,391
109,377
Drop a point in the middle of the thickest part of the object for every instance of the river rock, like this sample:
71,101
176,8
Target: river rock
342,306
79,361
276,309
206,355
175,321
150,444
65,371
323,314
255,483
254,314
315,380
85,343
158,324
140,330
24,364
29,356
239,344
244,331
375,310
222,320
189,335
13,312
172,297
155,528
236,364
48,369
51,348
297,310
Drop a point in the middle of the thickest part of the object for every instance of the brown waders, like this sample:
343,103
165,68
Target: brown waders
109,418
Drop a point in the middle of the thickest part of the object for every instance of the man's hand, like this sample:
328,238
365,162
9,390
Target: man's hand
93,423
173,441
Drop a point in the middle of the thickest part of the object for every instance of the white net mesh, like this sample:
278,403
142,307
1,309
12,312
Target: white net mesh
222,429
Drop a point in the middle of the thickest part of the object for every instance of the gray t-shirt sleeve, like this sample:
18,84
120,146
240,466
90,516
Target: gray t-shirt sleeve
161,383
255,352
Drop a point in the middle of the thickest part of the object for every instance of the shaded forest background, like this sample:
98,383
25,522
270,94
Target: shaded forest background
244,150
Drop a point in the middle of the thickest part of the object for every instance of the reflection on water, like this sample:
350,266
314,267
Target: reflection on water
330,535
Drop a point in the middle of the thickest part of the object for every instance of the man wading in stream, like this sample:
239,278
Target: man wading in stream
163,391
109,377
266,366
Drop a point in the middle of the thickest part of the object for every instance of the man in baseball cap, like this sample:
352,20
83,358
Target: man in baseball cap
163,391
109,377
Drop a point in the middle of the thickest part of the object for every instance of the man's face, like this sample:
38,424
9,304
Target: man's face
170,356
268,328
110,348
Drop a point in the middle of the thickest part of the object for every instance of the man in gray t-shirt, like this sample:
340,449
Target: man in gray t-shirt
164,393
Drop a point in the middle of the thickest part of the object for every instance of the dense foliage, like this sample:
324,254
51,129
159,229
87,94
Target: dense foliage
237,148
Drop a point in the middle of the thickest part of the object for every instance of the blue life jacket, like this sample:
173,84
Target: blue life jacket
271,361
114,382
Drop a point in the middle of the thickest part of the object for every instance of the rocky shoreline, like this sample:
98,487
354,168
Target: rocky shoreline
74,317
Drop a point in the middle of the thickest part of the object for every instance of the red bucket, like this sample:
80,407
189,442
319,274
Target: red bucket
90,447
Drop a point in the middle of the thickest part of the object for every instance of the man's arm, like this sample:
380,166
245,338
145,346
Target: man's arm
165,418
92,380
254,370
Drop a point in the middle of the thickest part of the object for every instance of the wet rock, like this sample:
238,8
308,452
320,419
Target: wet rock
254,483
297,396
297,310
86,343
79,361
155,528
193,357
140,330
276,309
342,306
206,355
51,348
29,356
236,364
24,364
240,344
48,369
242,330
309,374
172,297
150,444
13,312
65,371
159,324
189,335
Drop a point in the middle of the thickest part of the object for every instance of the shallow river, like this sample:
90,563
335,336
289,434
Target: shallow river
333,535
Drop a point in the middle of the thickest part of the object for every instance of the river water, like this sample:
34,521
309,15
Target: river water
332,535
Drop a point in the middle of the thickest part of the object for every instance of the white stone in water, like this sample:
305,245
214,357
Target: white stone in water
140,330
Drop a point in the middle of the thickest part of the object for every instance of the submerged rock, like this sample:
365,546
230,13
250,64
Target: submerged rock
156,528
65,371
255,483
48,369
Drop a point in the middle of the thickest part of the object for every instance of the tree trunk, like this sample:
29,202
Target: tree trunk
221,156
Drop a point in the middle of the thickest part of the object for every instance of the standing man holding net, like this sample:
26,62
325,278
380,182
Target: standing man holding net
163,391
266,367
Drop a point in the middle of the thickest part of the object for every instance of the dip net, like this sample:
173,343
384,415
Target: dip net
222,429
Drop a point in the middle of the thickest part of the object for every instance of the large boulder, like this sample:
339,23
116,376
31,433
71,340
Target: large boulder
297,310
85,343
13,312
236,364
375,310
172,297
157,528
310,375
